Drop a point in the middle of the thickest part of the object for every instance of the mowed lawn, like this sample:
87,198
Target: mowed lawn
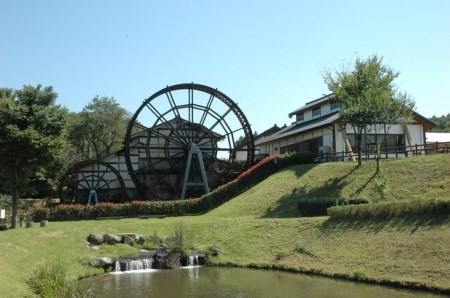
262,228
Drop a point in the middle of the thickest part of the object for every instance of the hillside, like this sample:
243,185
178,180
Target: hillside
260,228
278,196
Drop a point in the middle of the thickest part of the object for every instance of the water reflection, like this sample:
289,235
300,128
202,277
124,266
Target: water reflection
234,282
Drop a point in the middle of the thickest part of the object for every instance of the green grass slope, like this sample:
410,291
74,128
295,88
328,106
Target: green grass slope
278,196
261,228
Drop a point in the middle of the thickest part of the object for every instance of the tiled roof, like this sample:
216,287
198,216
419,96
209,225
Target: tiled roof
312,104
305,126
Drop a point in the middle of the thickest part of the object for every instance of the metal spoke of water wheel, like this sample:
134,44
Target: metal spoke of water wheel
91,175
167,123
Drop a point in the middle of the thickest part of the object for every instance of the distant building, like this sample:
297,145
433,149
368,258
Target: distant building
259,139
440,137
317,128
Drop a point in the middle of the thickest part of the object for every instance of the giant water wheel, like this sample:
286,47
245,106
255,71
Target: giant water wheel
91,181
181,142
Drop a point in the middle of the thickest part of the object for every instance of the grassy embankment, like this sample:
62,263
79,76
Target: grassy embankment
261,228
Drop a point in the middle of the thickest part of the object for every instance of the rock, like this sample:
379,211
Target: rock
165,259
112,239
102,263
95,239
129,235
127,240
146,252
201,259
140,239
215,250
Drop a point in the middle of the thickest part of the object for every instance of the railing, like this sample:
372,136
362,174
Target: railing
390,152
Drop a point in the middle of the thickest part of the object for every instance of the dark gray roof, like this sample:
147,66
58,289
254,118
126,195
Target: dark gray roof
305,126
312,104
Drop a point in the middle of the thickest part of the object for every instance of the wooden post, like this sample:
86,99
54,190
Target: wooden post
347,142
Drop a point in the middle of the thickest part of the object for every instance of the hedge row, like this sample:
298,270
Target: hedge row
131,209
218,196
391,209
319,206
249,178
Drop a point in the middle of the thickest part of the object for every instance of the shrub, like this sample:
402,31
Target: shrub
40,214
249,178
359,274
178,243
382,187
319,206
386,210
220,195
50,280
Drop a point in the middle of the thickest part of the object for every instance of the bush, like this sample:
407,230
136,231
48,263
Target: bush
249,178
359,274
220,195
178,243
386,210
319,206
50,280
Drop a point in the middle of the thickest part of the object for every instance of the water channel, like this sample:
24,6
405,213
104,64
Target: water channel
234,282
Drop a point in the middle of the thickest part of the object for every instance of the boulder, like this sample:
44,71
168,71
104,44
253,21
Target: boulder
129,235
140,239
95,239
165,259
127,240
102,263
112,239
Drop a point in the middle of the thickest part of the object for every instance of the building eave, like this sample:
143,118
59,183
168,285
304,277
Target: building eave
427,124
305,127
312,104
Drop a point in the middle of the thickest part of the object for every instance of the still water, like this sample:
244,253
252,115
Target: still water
233,282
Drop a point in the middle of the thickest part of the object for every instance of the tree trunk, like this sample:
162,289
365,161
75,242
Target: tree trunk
358,147
378,157
15,198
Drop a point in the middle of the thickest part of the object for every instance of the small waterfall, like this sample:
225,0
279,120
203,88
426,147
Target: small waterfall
193,261
117,267
133,264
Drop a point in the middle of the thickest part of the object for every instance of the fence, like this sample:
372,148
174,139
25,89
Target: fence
389,152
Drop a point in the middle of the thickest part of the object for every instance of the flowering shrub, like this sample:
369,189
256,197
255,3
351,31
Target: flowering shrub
249,178
221,194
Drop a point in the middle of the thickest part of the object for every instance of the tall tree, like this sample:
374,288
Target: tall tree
32,138
368,96
98,130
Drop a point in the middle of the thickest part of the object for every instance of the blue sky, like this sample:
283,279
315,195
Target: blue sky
268,56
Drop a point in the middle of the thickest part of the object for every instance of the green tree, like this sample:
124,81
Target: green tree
442,123
32,139
369,98
98,130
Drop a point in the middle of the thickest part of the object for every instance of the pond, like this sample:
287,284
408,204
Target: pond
233,282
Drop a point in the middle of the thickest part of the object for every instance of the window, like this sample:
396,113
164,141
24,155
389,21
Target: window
335,105
300,117
389,143
312,145
316,112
